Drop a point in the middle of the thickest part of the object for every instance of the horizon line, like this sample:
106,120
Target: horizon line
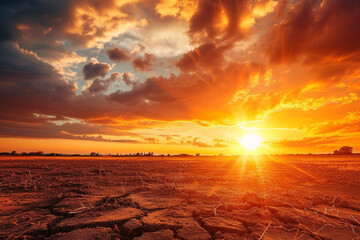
152,154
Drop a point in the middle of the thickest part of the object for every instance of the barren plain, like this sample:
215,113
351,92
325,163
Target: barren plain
259,197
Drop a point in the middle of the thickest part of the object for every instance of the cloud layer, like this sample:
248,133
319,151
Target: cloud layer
86,67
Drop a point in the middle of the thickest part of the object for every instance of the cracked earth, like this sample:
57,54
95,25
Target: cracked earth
283,197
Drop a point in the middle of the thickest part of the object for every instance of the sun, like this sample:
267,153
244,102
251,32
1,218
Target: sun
251,141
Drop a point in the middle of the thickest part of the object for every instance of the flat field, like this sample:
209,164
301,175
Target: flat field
272,197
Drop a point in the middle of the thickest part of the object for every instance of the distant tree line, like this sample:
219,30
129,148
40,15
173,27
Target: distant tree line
94,154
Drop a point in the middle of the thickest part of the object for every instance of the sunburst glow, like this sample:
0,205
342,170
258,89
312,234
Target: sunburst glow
251,141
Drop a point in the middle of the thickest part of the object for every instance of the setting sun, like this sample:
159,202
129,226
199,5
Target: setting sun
251,141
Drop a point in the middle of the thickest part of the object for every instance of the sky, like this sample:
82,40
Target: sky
179,76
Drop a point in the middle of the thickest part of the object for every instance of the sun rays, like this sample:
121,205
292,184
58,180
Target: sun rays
251,141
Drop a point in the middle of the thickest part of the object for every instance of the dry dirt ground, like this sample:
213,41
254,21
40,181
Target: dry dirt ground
279,197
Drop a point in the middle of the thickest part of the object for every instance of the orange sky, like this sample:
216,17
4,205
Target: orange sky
179,76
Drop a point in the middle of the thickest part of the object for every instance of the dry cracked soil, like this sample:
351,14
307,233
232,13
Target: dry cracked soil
190,198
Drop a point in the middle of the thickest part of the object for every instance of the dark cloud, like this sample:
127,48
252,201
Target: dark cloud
101,85
203,22
148,99
51,31
28,85
81,23
118,55
317,31
175,97
130,80
92,70
188,95
48,50
281,7
145,63
98,85
207,56
221,20
42,127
